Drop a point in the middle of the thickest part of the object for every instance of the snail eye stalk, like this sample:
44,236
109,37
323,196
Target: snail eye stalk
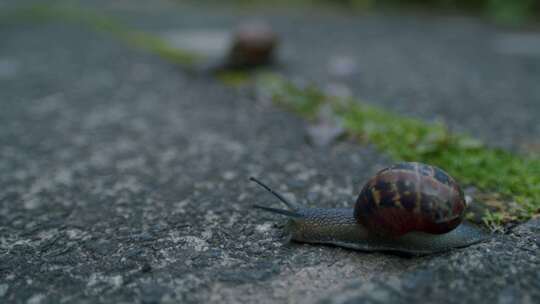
289,205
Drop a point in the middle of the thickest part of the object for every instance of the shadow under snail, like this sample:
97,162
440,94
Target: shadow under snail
409,208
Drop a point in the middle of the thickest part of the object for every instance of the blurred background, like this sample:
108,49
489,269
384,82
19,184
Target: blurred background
506,11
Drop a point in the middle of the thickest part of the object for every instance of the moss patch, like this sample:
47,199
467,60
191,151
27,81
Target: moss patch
514,178
100,23
234,78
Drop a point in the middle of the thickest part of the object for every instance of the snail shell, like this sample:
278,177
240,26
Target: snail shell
253,45
410,197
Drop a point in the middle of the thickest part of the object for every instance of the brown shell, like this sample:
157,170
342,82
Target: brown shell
410,197
253,45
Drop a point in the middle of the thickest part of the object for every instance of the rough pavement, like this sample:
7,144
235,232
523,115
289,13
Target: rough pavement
124,179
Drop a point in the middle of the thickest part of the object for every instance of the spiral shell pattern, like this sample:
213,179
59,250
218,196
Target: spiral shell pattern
410,197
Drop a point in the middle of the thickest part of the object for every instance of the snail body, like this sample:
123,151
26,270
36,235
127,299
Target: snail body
410,208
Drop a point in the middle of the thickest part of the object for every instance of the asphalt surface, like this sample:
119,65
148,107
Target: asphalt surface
124,178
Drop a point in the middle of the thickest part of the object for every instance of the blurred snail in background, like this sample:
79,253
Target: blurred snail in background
409,208
253,45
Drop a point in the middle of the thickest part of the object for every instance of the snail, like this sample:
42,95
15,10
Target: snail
409,208
253,45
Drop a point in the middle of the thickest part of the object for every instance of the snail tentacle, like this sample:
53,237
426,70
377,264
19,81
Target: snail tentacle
290,205
278,211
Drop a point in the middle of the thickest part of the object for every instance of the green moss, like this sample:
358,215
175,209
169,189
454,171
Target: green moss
100,23
234,78
516,178
159,47
511,12
305,101
494,220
